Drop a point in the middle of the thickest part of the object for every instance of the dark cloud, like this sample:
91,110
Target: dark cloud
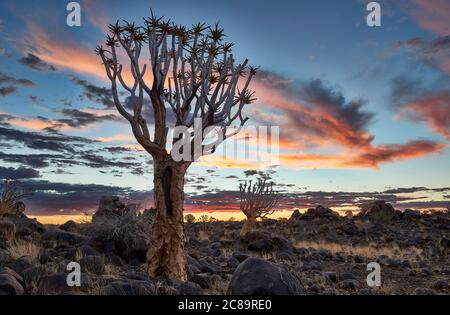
314,112
41,141
31,160
4,118
405,190
18,173
118,150
54,198
34,62
333,101
78,118
405,89
248,173
434,53
6,90
9,84
98,161
100,95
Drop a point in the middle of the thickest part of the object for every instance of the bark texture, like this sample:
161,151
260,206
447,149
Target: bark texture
249,226
165,256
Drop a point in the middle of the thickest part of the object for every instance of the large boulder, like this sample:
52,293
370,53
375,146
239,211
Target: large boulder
296,215
56,284
26,226
63,236
69,226
22,263
378,210
259,277
111,206
129,287
320,212
10,282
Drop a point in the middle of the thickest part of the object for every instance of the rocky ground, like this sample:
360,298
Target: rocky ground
318,252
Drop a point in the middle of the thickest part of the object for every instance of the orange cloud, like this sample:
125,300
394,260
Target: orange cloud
34,124
72,56
116,138
434,110
433,15
338,126
370,157
394,152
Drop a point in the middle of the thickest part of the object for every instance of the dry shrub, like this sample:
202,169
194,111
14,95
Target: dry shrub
10,198
128,231
22,248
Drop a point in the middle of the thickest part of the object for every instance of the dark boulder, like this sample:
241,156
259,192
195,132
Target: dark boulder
64,236
189,288
296,215
10,282
320,212
202,280
261,245
129,287
26,226
56,284
259,277
111,206
22,263
379,210
9,285
69,226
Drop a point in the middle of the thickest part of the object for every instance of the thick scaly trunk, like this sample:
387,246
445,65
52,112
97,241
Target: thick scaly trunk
165,256
249,225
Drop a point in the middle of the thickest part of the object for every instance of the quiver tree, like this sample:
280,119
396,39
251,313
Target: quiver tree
194,75
258,200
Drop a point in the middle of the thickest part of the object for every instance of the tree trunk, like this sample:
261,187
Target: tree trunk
248,226
165,256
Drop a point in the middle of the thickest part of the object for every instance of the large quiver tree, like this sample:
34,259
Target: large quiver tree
194,76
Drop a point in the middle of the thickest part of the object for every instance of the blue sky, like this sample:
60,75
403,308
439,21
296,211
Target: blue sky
323,53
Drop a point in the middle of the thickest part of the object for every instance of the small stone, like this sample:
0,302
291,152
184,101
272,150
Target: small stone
349,284
440,285
424,291
190,288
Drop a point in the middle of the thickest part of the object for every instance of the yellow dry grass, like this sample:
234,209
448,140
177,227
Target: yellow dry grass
19,249
371,250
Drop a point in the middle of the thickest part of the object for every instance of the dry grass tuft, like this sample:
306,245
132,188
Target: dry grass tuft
371,250
21,248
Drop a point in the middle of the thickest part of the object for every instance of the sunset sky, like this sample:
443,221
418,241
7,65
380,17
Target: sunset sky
364,112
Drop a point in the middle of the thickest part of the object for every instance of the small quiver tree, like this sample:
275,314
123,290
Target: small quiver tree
258,200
